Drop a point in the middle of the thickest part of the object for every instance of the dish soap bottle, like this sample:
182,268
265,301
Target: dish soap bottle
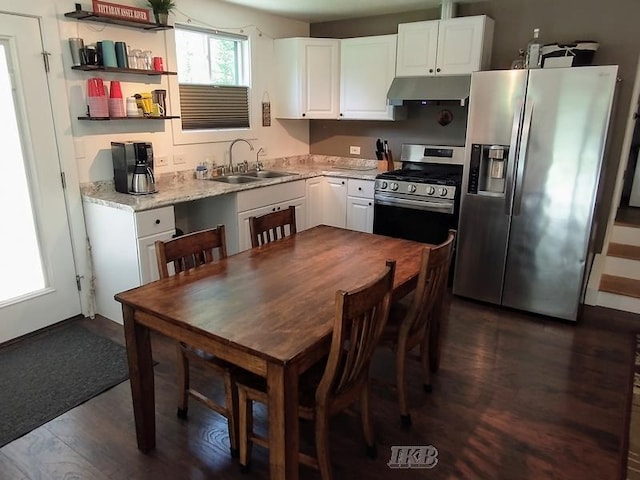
534,48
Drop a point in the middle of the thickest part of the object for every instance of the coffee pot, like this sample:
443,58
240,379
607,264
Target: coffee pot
142,180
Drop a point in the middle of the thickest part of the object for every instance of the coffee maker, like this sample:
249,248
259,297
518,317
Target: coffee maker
133,167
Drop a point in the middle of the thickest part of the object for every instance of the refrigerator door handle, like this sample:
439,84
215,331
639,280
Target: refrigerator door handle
513,155
522,155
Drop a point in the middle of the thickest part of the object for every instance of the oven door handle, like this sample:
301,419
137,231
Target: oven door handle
414,204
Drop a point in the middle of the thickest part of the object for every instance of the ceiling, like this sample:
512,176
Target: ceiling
313,11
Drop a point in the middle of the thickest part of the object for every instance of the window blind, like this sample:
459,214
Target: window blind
206,107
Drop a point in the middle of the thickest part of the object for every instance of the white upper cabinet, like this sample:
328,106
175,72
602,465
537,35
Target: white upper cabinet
454,46
367,68
307,77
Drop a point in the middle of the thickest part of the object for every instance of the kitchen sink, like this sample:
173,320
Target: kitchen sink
269,174
235,179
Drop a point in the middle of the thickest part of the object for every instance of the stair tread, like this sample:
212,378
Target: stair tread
628,287
631,252
628,217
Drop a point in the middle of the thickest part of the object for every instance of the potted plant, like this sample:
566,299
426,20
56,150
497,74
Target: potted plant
161,9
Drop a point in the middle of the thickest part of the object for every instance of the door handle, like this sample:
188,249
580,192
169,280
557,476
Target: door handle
513,155
522,159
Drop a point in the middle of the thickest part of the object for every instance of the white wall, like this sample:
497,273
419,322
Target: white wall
92,139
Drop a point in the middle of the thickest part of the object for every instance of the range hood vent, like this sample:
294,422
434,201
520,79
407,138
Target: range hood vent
454,87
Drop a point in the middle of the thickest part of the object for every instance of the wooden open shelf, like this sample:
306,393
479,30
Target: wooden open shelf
134,71
105,119
84,15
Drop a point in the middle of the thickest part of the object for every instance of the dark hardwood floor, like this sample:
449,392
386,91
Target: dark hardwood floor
517,397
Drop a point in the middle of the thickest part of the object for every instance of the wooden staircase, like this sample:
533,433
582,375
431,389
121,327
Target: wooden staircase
620,281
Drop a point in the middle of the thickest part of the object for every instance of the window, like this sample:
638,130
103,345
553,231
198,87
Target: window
213,78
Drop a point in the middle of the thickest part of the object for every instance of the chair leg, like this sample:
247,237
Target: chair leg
434,344
231,399
183,383
322,444
367,423
401,386
424,360
245,417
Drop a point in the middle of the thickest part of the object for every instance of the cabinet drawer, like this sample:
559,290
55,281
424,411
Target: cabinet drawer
154,221
360,188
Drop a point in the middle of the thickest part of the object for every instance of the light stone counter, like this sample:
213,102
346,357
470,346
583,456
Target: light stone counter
181,187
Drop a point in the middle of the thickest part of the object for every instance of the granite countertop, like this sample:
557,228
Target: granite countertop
183,186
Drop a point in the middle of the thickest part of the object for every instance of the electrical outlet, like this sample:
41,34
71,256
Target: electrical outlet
160,161
353,150
179,159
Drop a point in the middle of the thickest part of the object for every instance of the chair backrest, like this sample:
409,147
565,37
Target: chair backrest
271,226
360,317
432,282
189,251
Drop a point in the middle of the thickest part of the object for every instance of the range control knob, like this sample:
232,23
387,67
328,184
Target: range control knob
383,185
443,192
394,186
411,188
431,190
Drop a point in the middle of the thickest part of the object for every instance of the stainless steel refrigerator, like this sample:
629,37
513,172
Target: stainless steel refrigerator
533,161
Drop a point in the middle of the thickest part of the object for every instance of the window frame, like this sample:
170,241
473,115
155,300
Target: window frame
187,137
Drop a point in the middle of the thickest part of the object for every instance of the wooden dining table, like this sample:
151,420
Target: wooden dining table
269,310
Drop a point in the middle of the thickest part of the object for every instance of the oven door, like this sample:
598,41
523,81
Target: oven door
425,222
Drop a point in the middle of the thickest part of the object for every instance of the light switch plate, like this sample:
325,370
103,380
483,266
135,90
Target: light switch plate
179,159
160,161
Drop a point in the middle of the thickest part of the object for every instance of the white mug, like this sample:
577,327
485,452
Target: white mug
132,107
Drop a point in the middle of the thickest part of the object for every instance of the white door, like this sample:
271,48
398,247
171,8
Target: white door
460,42
37,278
335,202
417,48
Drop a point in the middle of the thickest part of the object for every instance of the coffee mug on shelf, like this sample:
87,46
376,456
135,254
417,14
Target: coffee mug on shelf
158,64
132,107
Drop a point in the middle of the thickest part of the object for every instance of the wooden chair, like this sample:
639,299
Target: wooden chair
416,320
271,226
187,252
326,389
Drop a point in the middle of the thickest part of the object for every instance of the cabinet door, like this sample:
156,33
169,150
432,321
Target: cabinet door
460,45
307,77
244,235
360,214
335,204
315,201
367,68
243,218
417,48
147,255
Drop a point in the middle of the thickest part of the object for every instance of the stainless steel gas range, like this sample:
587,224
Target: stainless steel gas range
421,200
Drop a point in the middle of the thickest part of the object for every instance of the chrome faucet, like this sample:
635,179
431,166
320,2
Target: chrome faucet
231,149
258,162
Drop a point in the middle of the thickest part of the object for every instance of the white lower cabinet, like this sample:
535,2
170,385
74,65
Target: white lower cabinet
360,205
260,201
335,202
122,250
315,201
340,202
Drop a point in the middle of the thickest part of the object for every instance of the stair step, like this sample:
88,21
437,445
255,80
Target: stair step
620,285
625,235
632,252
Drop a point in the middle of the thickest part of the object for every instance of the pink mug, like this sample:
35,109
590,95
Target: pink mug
157,64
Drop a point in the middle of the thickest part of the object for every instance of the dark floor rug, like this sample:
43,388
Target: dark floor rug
42,378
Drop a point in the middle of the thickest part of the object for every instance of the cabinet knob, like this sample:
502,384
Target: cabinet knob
431,70
157,221
437,69
341,114
369,203
360,188
273,209
304,114
343,183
